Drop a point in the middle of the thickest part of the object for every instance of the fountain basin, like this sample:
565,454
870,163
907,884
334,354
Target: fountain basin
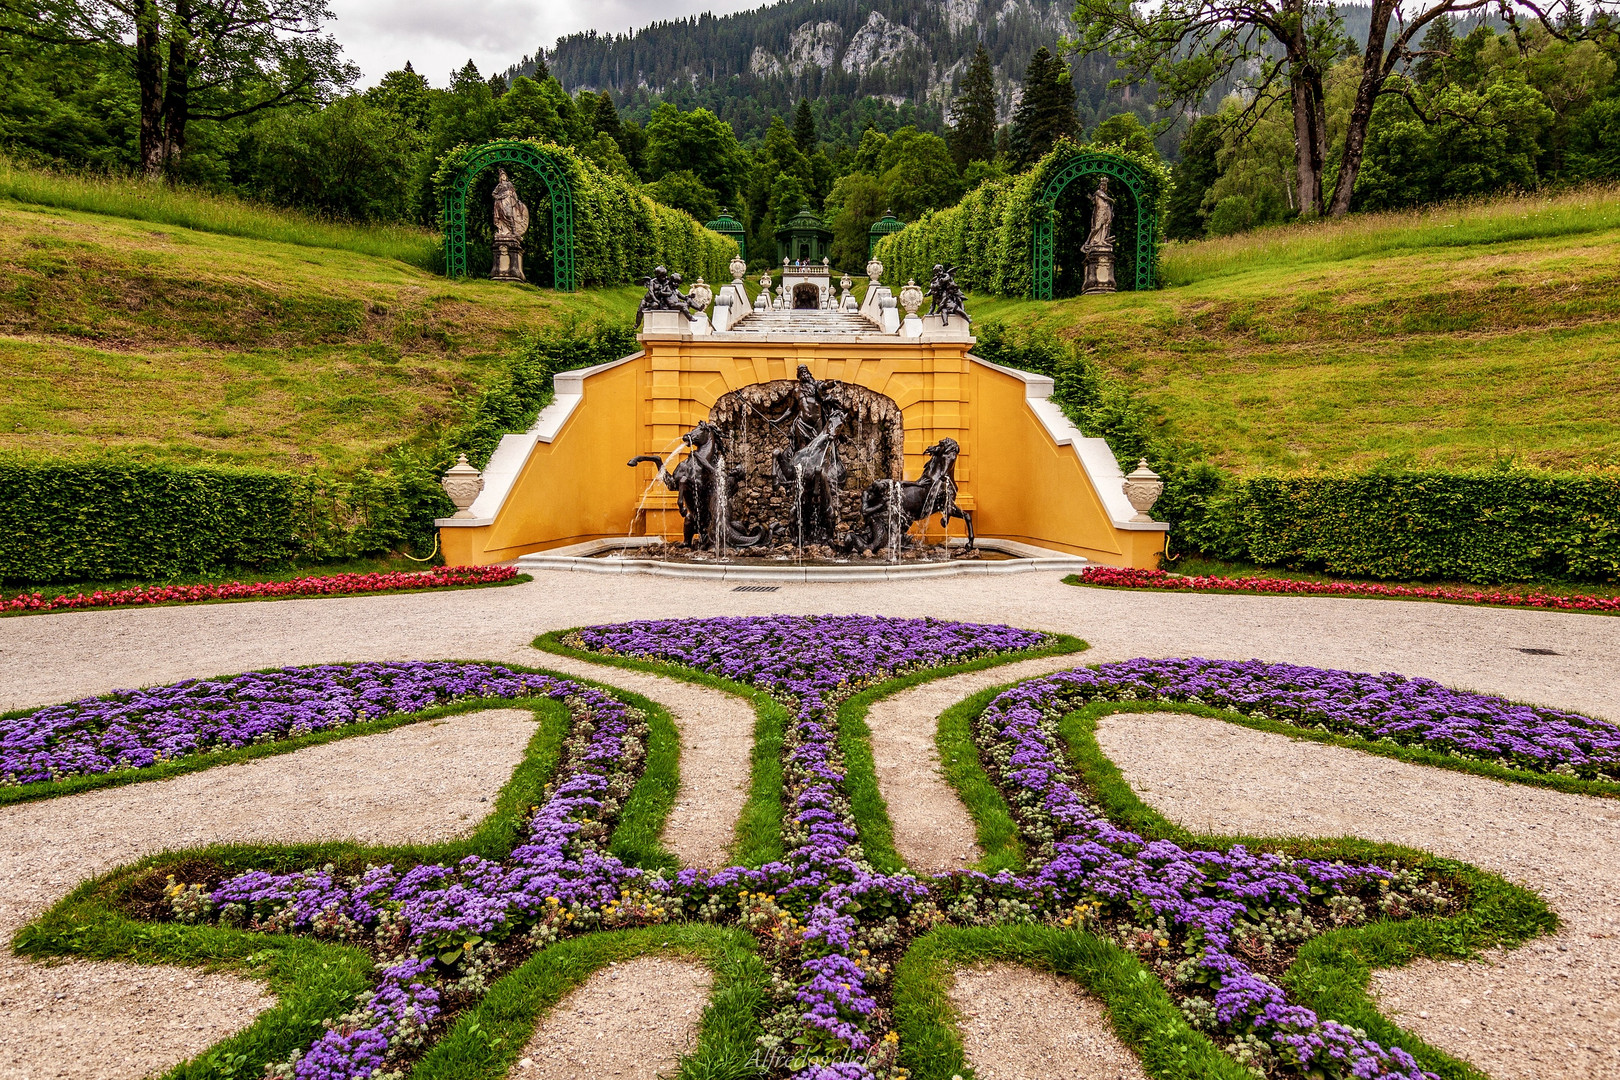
630,555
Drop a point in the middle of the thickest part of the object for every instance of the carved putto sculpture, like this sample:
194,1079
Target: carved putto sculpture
511,222
890,507
664,294
946,295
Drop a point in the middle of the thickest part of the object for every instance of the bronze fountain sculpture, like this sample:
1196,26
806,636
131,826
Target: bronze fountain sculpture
891,507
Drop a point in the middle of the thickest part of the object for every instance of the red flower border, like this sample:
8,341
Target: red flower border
1114,577
440,577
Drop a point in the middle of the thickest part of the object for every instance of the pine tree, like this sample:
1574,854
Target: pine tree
605,118
1045,110
541,71
1440,41
973,113
804,127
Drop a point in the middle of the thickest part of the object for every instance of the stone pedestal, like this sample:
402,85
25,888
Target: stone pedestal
508,260
1099,269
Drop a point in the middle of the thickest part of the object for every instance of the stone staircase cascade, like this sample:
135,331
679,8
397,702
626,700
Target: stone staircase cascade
812,322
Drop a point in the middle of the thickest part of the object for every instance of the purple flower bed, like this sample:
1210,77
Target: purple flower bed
824,918
1411,712
132,729
1203,899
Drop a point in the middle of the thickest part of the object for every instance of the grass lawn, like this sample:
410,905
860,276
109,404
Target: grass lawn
1453,338
196,346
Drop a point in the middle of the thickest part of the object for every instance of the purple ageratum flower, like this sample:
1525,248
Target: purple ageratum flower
129,729
1202,892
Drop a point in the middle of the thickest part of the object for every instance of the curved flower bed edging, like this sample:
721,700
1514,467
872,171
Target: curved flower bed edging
133,729
1113,577
1388,707
832,928
441,577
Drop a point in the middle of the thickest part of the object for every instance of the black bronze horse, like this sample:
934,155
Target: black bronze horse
893,506
697,482
816,475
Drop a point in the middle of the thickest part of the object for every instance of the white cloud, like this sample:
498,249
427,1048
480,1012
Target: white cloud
439,36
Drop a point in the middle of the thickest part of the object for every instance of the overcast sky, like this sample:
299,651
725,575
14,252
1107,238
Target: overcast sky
437,36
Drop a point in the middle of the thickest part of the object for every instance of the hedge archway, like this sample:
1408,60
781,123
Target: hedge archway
543,164
1143,205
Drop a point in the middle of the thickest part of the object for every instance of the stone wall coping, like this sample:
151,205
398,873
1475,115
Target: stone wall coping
1095,455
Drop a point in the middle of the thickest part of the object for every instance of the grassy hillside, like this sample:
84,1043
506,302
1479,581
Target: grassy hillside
255,338
1451,337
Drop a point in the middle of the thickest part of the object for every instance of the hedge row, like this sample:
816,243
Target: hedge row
619,233
96,520
990,235
1485,527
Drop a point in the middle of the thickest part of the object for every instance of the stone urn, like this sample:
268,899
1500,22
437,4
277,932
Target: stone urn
874,271
738,269
700,294
845,283
1143,488
462,483
911,297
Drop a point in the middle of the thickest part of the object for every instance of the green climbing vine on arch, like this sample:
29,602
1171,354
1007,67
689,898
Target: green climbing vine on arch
1142,219
540,161
996,235
604,231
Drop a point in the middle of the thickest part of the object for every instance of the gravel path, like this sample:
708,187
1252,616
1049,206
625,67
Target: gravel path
1022,1024
1550,1008
717,739
48,658
632,1020
932,829
423,782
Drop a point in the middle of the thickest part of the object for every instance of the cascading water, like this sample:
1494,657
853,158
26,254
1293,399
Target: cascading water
668,455
721,516
798,509
897,529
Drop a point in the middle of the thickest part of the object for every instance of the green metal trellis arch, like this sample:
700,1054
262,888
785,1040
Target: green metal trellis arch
1092,163
549,168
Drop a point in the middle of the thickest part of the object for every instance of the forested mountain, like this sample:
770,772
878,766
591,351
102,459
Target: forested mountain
884,63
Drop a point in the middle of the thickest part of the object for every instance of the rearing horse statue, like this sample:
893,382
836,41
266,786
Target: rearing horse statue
699,482
890,507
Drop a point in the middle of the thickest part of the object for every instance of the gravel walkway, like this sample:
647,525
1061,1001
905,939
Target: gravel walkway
423,782
48,658
932,829
1022,1024
717,739
1550,1008
632,1020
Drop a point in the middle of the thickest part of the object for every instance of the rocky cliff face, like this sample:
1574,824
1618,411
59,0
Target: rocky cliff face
894,50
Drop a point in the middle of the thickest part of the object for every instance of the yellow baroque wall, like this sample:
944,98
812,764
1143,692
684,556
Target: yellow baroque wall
572,485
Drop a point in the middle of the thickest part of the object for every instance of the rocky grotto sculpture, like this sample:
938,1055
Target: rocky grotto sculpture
511,222
891,507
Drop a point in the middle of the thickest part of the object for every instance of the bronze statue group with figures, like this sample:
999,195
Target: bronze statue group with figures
809,466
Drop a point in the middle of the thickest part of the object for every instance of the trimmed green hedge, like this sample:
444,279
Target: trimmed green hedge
1483,527
94,520
619,233
990,235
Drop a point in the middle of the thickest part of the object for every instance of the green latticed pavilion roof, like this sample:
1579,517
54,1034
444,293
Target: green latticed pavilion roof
725,224
888,223
806,220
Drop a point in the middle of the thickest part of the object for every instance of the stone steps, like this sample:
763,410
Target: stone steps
810,322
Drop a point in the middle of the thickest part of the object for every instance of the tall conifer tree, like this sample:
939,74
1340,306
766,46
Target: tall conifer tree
973,113
804,127
1045,110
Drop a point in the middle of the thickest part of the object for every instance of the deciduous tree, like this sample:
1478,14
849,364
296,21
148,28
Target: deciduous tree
197,59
